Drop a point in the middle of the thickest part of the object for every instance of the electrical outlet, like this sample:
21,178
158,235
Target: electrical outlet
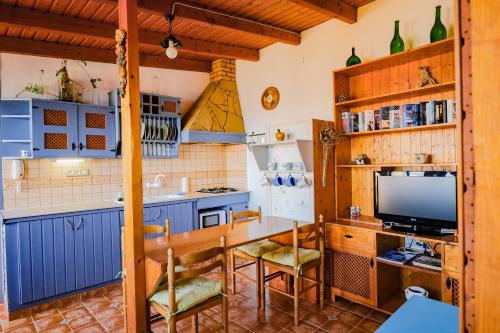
75,172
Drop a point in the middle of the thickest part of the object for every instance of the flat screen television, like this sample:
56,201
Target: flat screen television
422,200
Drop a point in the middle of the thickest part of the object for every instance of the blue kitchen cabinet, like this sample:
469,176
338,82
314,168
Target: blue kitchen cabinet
55,129
96,131
181,216
57,255
48,129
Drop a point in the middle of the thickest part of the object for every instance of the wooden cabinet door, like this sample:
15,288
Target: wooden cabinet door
450,288
39,259
96,131
354,277
55,131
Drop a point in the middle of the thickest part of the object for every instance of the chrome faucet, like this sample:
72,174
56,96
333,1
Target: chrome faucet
157,182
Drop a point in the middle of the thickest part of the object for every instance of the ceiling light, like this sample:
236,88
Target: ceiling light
171,43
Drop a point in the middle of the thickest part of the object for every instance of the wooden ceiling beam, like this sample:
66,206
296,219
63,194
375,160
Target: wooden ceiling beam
216,18
42,21
55,50
334,8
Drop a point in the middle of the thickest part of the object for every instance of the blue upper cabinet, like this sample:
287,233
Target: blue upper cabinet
55,131
96,131
46,129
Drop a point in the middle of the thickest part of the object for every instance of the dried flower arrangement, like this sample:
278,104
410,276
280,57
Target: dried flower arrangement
329,137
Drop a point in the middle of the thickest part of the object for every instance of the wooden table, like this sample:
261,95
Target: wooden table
199,240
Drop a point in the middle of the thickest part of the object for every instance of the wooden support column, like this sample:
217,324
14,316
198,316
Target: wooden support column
135,285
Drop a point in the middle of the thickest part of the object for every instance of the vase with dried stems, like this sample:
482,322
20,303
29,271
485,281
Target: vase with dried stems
329,137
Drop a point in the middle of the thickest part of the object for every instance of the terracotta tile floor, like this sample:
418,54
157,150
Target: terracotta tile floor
104,313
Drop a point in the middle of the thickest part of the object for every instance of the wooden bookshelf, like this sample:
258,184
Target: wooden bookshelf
392,80
404,93
403,129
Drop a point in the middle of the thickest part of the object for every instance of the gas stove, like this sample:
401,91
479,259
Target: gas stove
216,190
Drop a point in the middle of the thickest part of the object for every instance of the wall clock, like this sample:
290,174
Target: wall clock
270,98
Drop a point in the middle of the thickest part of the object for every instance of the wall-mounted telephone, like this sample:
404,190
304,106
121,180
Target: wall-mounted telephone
18,172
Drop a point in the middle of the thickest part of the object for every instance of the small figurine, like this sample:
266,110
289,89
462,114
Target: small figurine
361,159
280,136
425,77
342,98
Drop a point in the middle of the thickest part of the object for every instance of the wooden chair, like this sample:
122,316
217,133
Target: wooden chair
187,293
294,261
148,230
251,252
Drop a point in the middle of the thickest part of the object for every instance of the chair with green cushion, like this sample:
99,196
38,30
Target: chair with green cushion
187,292
250,252
295,261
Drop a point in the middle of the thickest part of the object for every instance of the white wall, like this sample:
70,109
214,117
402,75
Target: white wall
303,74
16,71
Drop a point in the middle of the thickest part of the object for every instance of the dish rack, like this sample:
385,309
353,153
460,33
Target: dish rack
160,124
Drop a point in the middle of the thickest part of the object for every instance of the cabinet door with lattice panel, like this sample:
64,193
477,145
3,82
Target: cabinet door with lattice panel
96,131
170,104
353,277
55,129
450,288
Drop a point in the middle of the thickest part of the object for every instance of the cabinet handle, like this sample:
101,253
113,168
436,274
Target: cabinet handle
79,224
348,236
73,146
36,149
372,263
81,146
448,283
158,216
69,223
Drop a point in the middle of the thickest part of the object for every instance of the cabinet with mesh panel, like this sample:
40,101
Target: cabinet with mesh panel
53,129
353,276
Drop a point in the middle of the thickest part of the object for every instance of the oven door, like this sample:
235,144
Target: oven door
212,218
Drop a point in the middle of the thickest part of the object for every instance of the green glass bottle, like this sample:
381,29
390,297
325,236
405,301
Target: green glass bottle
353,59
397,44
438,31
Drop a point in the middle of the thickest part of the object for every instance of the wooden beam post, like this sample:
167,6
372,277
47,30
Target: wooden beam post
135,286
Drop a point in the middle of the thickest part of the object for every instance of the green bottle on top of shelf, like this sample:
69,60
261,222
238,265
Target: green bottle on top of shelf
353,59
397,44
438,31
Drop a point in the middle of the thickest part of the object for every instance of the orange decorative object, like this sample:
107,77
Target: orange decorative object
280,136
270,98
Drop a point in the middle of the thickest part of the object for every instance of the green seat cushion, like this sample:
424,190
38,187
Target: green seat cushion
284,255
257,249
188,292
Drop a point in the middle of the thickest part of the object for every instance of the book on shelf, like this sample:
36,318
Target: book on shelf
394,116
346,122
411,115
440,112
451,113
354,121
426,261
430,113
376,117
361,122
395,257
385,118
369,120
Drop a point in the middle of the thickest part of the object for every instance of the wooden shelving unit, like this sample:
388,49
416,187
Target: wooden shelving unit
392,80
404,129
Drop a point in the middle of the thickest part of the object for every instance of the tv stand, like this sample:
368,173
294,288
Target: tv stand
414,229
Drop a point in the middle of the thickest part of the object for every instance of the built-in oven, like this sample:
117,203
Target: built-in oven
212,218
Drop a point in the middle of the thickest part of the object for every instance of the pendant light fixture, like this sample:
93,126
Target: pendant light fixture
171,43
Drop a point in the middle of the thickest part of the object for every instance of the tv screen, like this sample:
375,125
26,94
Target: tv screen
417,198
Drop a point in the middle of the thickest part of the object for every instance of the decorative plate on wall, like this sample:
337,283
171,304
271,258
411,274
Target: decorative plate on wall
270,98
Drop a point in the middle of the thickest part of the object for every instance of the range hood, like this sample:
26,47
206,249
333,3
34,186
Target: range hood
216,116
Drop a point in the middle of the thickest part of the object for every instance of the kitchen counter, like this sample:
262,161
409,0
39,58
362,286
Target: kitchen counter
30,212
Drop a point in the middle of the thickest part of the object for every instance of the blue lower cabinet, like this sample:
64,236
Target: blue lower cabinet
57,255
181,217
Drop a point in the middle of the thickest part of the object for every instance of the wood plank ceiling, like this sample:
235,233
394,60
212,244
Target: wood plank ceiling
208,29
